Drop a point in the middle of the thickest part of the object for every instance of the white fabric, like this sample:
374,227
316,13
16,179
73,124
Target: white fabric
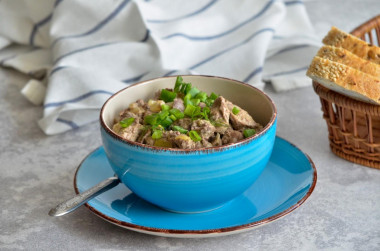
88,50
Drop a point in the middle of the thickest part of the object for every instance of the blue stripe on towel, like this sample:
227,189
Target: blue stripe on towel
169,73
98,26
260,13
288,72
293,2
57,2
57,69
290,48
185,16
82,49
134,79
146,37
68,122
81,97
41,23
253,73
232,47
36,26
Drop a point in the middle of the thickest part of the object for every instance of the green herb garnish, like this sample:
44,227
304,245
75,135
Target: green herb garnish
166,122
190,110
213,96
172,117
165,107
157,134
193,92
249,132
202,96
219,124
235,110
178,84
167,96
206,112
187,100
181,87
126,122
177,113
186,88
163,114
195,101
151,119
180,129
195,136
209,102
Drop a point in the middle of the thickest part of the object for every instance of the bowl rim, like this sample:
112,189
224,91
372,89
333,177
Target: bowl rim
266,128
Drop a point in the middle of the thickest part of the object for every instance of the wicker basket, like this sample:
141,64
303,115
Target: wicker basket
353,126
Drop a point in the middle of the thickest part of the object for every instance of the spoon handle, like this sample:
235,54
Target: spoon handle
78,200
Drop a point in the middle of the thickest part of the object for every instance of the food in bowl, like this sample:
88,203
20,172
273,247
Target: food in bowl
185,117
190,180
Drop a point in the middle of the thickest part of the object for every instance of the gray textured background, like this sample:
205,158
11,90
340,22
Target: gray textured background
36,172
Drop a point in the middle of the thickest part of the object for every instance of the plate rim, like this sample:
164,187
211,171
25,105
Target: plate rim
200,233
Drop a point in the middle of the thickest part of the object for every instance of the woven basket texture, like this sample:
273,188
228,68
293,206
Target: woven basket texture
353,126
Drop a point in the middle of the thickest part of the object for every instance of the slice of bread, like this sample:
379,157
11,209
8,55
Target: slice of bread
345,80
339,38
340,55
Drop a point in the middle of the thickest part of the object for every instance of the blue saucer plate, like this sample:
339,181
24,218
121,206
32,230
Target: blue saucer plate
286,182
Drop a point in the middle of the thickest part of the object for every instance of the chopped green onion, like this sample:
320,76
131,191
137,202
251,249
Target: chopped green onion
206,112
163,114
194,136
202,96
197,112
157,127
167,96
178,84
209,102
195,101
126,122
179,129
192,111
151,119
181,87
193,92
235,110
172,117
249,132
219,124
213,96
165,107
166,122
177,113
185,88
157,134
186,100
189,110
188,88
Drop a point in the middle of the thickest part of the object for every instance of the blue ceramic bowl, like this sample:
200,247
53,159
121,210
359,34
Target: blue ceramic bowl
195,180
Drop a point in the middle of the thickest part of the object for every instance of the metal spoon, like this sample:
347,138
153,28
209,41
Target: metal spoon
78,200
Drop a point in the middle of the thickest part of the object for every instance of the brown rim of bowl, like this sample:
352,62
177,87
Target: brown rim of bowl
247,226
110,132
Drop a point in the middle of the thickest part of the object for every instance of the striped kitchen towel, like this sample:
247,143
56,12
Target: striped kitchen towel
80,52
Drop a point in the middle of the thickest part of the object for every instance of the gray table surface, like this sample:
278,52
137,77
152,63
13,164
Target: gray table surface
36,172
